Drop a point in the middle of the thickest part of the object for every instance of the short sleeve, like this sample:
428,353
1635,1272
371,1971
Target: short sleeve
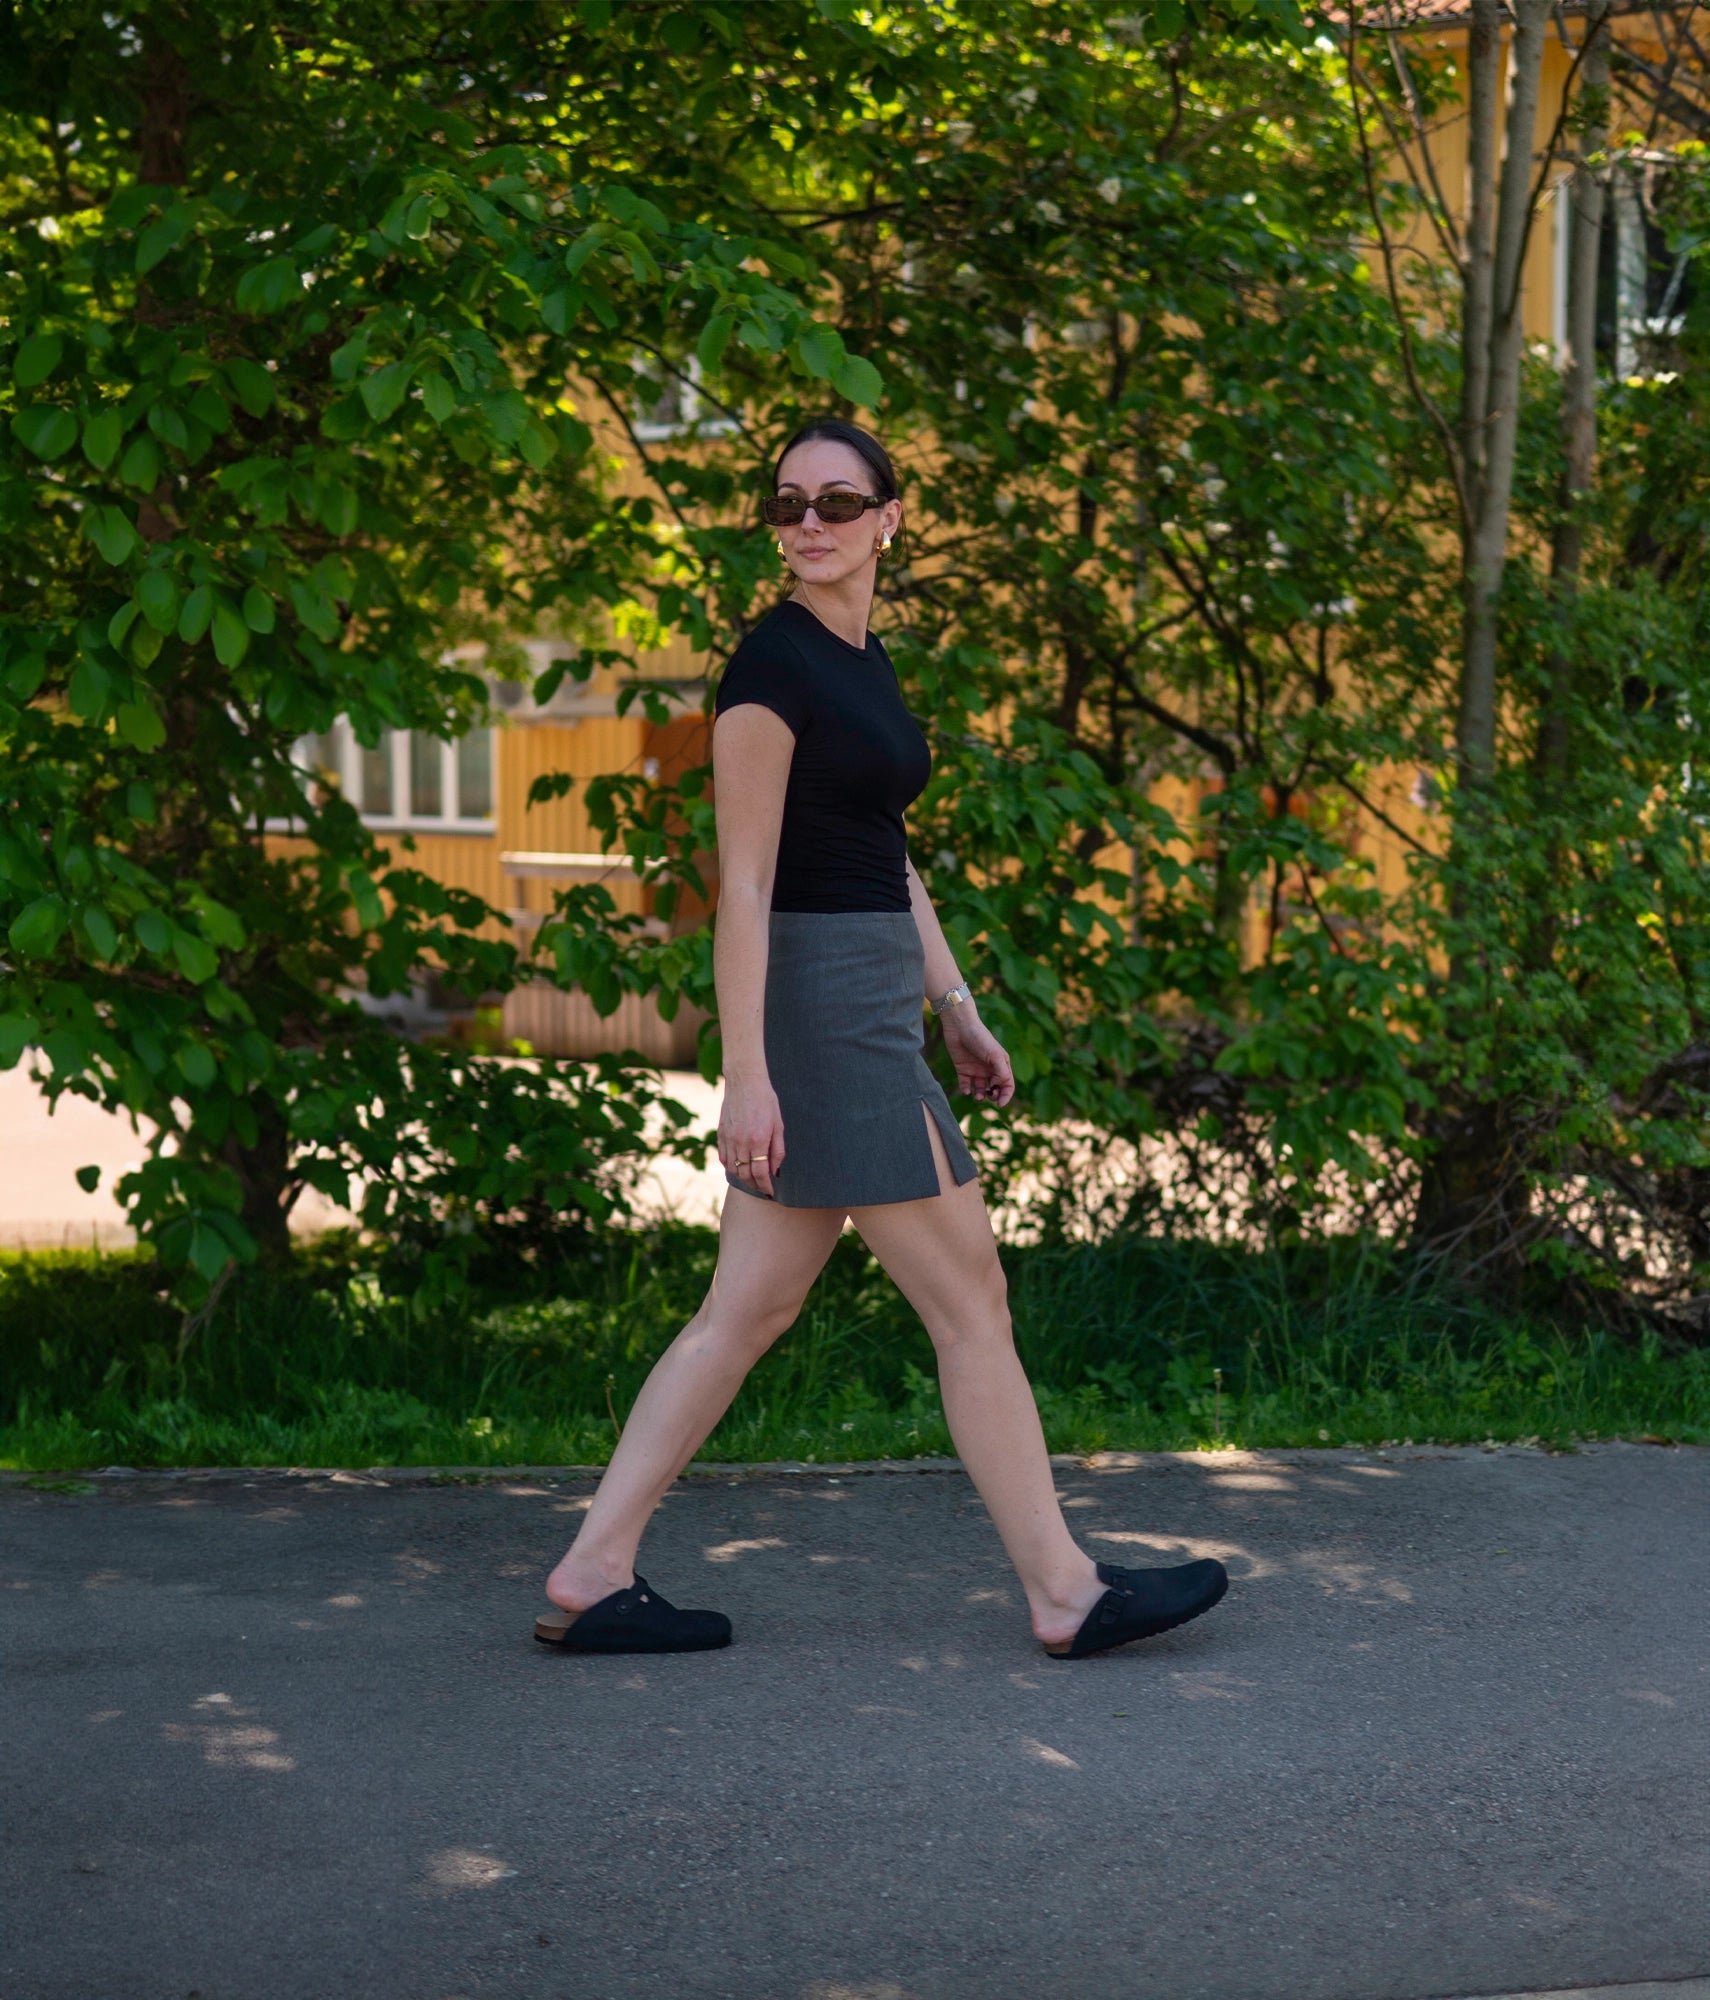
766,670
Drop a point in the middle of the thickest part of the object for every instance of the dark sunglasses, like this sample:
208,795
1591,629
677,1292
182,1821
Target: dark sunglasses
784,510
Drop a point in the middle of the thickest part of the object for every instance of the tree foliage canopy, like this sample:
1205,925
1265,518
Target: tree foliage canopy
307,333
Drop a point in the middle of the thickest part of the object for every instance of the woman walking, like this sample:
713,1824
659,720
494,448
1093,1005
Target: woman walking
826,947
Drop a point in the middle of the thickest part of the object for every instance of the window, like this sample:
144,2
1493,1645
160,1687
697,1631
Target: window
669,403
408,778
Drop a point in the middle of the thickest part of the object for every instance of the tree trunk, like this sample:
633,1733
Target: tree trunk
1492,341
268,1186
1579,401
1473,1206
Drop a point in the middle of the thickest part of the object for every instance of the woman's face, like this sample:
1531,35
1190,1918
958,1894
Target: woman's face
829,552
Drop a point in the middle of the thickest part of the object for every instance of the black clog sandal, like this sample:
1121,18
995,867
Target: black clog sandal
636,1620
1140,1603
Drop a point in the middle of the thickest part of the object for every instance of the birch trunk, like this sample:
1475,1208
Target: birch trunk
1492,338
1585,196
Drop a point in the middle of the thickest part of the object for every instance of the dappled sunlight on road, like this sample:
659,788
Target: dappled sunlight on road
454,1869
1358,1580
729,1552
1042,1753
1209,1684
228,1737
1241,1563
879,1989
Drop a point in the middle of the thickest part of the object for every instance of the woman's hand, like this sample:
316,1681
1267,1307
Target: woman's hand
982,1067
751,1134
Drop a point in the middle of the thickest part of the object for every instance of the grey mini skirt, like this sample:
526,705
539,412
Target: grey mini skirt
845,1049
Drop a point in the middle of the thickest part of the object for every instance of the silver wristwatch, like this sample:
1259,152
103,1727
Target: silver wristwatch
954,998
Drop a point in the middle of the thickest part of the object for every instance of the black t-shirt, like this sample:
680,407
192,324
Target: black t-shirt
860,760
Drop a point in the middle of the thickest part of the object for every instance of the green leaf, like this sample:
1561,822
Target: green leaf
584,247
45,429
209,1251
17,1032
315,609
139,724
231,634
370,911
439,399
140,466
258,611
507,414
88,689
219,925
251,384
37,358
346,360
139,802
121,622
111,532
36,929
715,338
67,1050
196,959
385,389
336,506
859,380
145,644
197,614
24,675
163,236
211,409
820,350
153,933
268,287
196,1065
157,594
88,1179
102,436
558,308
166,420
537,445
345,420
98,928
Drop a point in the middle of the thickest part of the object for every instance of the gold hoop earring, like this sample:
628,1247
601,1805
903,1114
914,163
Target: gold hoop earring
781,552
884,547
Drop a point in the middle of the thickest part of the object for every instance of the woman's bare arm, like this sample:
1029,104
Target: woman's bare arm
983,1067
941,973
752,749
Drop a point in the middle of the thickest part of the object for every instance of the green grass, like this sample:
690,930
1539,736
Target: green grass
326,1367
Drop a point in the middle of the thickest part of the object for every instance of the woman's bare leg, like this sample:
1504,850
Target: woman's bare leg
768,1258
942,1257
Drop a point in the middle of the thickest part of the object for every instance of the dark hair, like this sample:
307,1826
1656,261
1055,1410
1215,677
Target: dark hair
866,447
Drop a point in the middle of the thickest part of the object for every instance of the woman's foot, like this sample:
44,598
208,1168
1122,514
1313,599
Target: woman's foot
635,1619
1060,1614
1141,1603
580,1582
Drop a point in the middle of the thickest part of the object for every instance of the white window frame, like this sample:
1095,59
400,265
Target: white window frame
347,763
692,406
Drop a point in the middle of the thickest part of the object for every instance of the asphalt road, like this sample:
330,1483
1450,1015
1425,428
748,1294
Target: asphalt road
282,1737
